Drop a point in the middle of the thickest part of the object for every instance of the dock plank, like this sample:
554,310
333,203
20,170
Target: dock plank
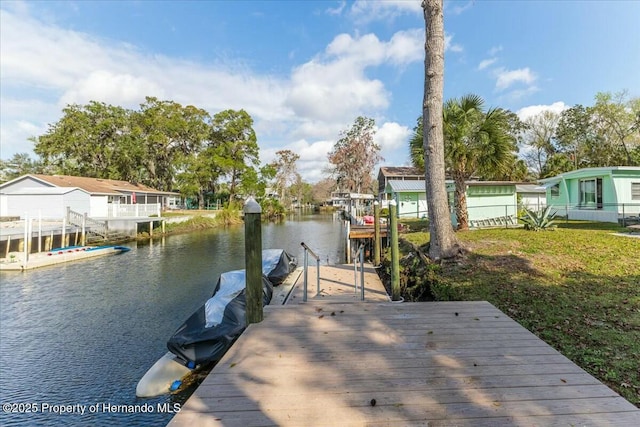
422,363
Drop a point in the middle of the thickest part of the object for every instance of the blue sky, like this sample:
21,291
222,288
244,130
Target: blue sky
304,70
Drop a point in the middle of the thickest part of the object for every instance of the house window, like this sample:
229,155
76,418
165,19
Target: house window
635,191
555,190
591,193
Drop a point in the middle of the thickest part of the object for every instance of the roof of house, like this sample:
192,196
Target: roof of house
399,186
44,191
93,185
401,171
530,188
586,172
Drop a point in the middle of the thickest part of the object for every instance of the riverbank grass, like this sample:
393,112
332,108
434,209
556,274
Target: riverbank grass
576,287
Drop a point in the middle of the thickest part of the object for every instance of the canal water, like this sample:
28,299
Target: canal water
77,337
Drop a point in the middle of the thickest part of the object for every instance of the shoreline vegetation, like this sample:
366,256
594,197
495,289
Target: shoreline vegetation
194,220
577,287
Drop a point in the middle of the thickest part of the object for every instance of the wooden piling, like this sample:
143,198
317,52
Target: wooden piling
63,238
253,260
376,233
84,230
39,232
395,258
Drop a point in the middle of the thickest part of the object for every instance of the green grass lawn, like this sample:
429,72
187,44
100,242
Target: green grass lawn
577,287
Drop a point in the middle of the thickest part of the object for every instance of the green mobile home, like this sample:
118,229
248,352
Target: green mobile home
605,194
487,201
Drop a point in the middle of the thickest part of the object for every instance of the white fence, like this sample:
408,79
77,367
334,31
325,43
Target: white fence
608,212
133,211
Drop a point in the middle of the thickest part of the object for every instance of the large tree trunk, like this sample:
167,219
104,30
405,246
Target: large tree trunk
201,199
443,240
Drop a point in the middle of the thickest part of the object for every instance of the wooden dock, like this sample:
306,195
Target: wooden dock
365,232
327,363
337,284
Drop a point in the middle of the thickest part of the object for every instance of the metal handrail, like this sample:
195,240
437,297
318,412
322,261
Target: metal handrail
359,254
307,251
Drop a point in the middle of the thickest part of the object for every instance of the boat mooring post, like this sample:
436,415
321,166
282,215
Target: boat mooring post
395,258
253,259
376,233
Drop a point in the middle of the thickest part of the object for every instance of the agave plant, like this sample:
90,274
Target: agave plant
538,220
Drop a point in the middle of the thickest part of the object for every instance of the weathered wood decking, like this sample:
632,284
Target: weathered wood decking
383,363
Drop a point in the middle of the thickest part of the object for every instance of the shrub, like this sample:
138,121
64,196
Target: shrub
272,209
538,220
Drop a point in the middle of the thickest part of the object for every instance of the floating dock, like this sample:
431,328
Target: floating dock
58,256
333,362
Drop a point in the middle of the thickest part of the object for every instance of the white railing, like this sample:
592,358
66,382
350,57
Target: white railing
118,210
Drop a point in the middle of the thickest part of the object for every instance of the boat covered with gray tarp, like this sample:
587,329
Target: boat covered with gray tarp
209,332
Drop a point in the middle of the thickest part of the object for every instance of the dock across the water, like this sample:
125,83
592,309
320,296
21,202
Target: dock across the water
337,361
58,256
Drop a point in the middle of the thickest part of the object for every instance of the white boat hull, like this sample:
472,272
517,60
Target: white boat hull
161,376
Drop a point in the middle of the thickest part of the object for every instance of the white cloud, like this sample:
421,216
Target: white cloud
449,46
365,11
494,50
392,137
486,63
111,88
533,110
338,9
507,78
313,162
457,9
406,47
334,91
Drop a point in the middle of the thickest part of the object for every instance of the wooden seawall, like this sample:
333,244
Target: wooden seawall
325,363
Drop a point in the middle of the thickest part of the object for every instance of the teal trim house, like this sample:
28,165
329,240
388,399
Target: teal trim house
488,202
605,194
410,196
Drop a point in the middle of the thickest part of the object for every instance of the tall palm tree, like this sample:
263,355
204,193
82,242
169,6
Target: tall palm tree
476,143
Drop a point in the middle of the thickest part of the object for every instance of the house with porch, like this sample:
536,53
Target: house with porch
108,203
605,194
396,173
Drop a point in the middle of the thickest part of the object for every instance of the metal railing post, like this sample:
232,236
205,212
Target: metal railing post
306,266
362,272
307,252
318,276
